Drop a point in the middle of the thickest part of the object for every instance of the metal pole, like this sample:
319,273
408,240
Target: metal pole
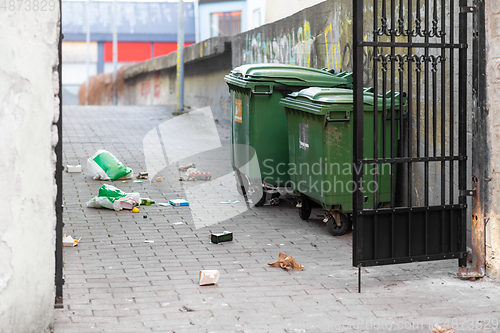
87,38
180,56
115,55
196,21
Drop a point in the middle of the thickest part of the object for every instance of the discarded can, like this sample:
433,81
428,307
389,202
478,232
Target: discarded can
226,236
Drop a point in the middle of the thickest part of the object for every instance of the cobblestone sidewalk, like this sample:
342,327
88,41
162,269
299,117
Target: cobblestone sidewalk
117,282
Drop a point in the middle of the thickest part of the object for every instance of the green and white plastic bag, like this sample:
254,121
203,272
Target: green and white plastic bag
105,166
111,197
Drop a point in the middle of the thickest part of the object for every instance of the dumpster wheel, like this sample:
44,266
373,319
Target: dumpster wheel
337,223
304,207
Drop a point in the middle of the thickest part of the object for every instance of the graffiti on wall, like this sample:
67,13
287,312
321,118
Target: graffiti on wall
336,57
297,47
294,48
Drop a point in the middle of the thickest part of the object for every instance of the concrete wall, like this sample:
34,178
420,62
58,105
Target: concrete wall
318,36
493,109
153,82
29,107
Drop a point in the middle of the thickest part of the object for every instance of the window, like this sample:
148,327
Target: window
225,24
256,18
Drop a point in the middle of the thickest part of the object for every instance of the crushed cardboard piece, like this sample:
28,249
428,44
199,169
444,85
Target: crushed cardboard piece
439,329
70,241
208,277
287,262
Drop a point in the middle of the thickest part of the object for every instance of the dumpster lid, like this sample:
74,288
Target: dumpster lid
290,75
344,96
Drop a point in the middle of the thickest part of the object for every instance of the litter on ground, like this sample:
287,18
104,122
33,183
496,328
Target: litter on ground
287,262
70,241
105,166
229,202
208,277
179,202
187,166
142,175
73,168
111,197
226,236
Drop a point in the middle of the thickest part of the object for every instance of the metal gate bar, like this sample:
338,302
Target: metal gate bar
434,227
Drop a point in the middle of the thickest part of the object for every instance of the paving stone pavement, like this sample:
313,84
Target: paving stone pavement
116,282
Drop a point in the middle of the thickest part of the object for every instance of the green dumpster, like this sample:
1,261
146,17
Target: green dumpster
259,122
320,139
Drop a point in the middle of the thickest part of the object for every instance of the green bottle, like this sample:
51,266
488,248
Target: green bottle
147,201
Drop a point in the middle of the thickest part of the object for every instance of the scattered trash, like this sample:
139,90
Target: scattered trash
70,241
164,204
179,202
73,168
147,201
195,174
208,277
439,329
187,166
287,262
124,181
180,179
185,309
142,175
149,241
105,166
135,210
137,181
226,236
144,216
177,223
274,201
159,179
229,202
111,197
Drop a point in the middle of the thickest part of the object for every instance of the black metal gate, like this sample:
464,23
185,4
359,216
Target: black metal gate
417,47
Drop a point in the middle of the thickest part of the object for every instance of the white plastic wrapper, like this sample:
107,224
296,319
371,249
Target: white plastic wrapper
128,202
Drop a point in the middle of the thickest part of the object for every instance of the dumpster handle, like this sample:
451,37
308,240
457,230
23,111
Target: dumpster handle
263,92
346,120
